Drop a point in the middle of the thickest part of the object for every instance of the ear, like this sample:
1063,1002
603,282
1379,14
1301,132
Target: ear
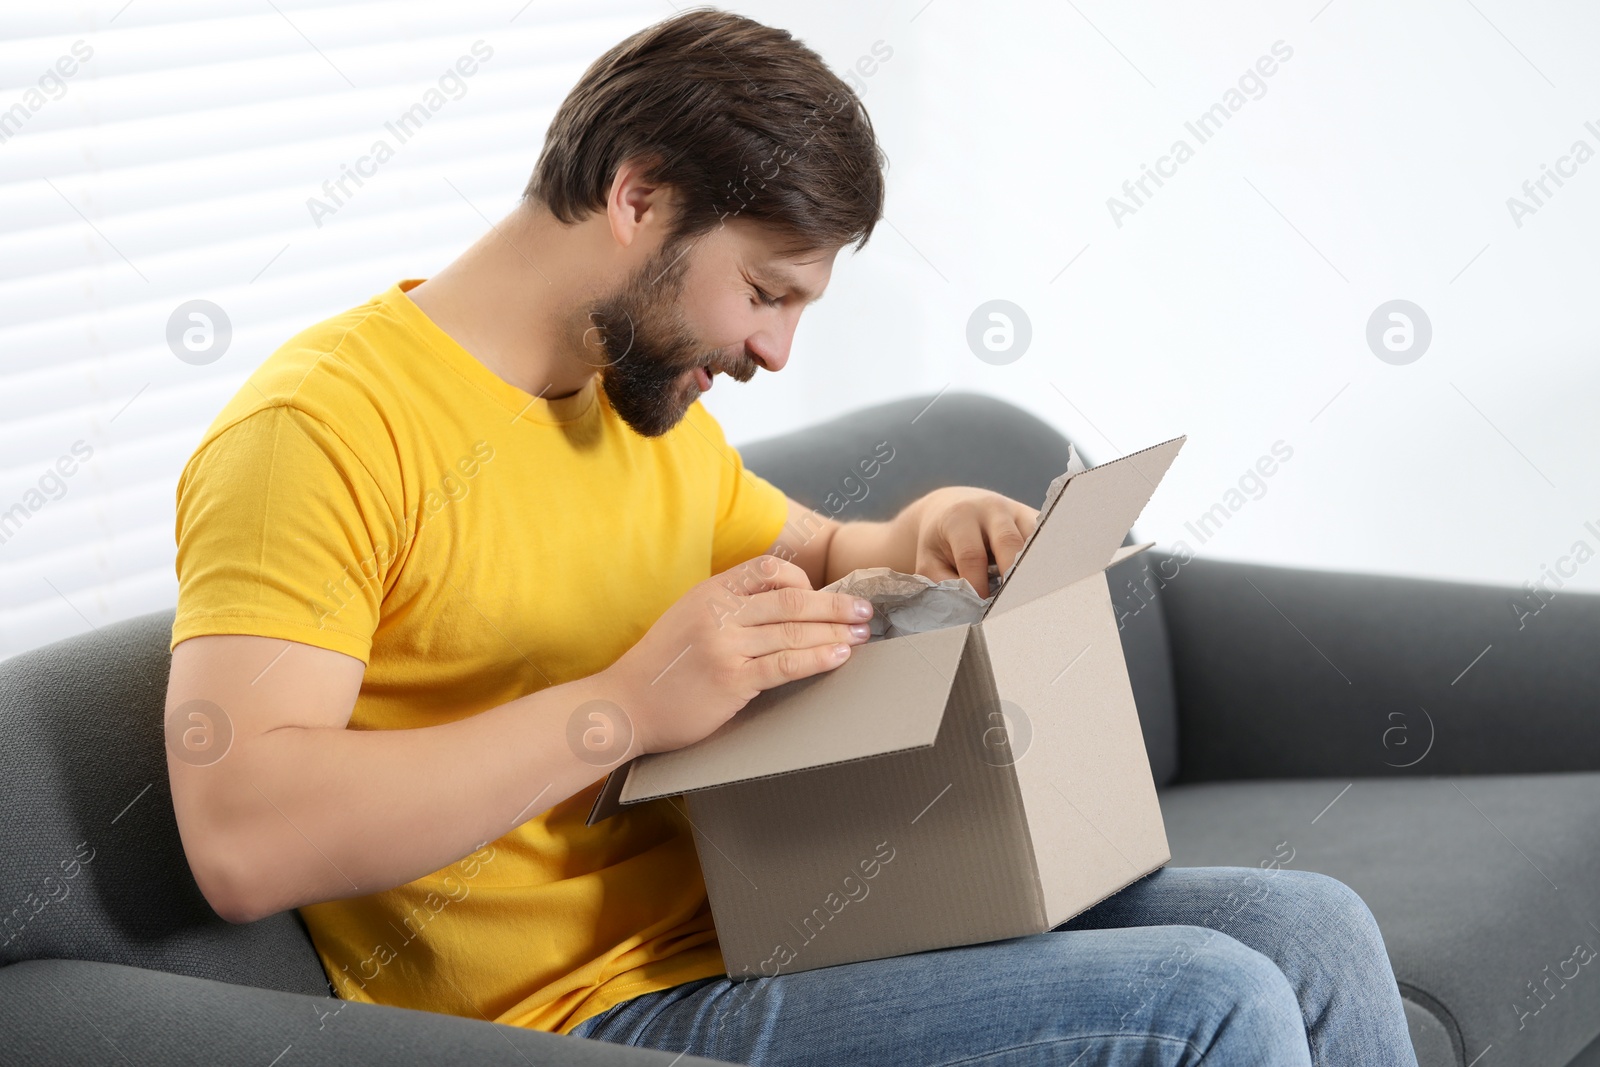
636,206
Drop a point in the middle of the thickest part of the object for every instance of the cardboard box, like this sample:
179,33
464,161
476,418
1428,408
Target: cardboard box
946,788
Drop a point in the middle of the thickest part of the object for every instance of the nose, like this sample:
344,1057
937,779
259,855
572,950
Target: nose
769,346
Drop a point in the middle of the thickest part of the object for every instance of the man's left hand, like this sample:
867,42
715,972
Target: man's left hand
960,529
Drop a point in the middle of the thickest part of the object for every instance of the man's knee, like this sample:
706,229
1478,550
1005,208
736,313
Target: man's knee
1324,906
1242,1006
1190,993
1203,973
1237,977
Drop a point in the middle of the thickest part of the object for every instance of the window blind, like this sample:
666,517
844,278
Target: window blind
185,185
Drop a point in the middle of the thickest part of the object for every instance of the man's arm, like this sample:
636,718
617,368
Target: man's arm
300,809
949,533
297,808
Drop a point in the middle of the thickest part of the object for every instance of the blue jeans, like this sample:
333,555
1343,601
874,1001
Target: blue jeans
1225,965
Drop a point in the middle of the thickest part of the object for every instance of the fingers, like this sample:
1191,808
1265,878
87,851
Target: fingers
1027,520
792,604
790,664
965,550
1005,541
972,539
774,637
790,630
761,574
733,591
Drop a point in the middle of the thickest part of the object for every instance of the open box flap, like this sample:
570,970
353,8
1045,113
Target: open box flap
1085,525
889,696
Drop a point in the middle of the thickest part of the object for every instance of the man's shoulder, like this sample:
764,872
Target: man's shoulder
334,361
330,373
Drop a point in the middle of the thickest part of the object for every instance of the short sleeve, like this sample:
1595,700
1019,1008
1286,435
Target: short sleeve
751,511
282,532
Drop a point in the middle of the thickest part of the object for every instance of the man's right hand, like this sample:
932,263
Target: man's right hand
752,627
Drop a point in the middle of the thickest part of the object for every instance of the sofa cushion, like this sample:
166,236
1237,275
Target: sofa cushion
56,1013
94,868
968,439
1487,890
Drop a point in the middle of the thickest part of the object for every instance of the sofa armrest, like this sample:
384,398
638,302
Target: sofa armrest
71,1011
1286,673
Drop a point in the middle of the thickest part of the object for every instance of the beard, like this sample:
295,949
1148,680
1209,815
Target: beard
649,348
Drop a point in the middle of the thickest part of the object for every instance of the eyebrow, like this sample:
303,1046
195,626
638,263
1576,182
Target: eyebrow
783,279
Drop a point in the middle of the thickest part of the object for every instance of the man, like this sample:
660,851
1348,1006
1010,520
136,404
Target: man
440,538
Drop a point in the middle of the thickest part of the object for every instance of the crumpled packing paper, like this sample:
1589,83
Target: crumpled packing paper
915,603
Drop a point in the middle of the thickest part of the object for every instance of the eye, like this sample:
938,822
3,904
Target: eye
766,298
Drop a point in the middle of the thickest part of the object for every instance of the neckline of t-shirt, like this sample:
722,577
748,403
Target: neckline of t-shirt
523,404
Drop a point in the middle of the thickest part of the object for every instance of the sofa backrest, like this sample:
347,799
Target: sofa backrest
91,866
839,468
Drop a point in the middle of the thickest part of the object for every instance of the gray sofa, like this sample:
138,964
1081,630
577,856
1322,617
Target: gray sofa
1317,719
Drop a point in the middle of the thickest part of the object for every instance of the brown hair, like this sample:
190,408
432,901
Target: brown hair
739,119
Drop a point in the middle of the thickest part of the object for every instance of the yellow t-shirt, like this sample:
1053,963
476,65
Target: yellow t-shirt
375,490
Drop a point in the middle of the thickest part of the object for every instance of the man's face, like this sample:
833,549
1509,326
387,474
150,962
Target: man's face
724,302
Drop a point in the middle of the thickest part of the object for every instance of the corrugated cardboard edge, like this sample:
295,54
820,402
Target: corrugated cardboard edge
980,659
609,800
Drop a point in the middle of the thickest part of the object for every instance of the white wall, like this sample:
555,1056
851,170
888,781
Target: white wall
1231,307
